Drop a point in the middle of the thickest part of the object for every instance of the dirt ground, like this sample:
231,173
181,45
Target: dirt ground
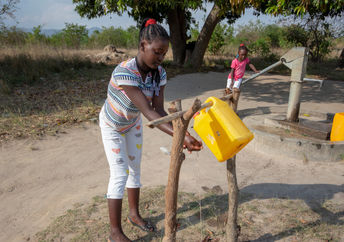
40,180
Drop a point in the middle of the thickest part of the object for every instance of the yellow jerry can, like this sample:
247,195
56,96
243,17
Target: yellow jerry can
337,131
221,129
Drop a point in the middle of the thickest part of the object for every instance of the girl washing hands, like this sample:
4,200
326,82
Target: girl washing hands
136,86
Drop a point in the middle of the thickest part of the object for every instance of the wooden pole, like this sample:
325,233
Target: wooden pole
180,126
232,229
178,114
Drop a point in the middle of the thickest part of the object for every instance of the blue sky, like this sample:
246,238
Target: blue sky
53,14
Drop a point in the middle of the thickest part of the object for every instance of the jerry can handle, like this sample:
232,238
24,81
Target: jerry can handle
205,106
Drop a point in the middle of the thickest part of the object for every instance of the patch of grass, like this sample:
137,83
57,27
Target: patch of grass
25,69
61,98
341,156
327,69
260,219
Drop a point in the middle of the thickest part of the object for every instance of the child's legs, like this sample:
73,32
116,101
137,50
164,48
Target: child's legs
229,83
134,148
237,83
117,156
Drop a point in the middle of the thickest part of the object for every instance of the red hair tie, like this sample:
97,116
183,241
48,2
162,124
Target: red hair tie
150,21
242,44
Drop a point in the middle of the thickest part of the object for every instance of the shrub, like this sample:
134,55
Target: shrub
115,36
317,39
221,35
12,37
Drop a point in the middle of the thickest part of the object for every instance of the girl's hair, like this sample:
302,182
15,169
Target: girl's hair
151,30
242,47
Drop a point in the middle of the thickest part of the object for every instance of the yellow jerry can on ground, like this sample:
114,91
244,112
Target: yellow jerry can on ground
337,131
221,129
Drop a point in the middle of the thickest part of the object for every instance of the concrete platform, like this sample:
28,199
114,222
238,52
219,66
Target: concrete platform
274,137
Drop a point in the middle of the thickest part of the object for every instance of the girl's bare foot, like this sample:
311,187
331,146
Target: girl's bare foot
118,236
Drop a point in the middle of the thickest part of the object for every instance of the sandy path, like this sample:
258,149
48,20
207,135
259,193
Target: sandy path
41,180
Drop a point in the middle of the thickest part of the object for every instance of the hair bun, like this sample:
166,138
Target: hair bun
150,21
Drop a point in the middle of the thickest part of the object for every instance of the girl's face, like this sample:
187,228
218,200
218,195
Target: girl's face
242,55
153,53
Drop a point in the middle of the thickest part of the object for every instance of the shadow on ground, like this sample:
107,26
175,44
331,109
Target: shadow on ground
277,91
314,195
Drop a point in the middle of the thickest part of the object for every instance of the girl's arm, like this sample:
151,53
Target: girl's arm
253,68
155,111
232,77
141,102
158,102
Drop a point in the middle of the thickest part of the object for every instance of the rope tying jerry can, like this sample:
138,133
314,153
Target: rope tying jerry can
221,129
337,131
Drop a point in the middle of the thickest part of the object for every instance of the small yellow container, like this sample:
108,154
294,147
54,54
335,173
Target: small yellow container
337,131
221,129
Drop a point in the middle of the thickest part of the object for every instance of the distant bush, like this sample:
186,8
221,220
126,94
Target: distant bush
71,36
222,34
36,37
115,36
12,37
260,38
318,40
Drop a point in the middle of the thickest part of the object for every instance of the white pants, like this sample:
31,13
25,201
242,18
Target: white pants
123,152
237,83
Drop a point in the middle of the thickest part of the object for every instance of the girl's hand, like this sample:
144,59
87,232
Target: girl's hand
191,143
256,71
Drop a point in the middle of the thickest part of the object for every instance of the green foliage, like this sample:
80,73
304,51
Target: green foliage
12,37
260,38
221,35
194,32
36,37
249,32
296,35
115,36
137,9
274,35
74,35
317,37
260,47
321,8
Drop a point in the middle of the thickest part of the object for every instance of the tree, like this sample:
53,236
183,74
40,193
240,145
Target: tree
221,34
313,33
74,35
313,13
7,9
36,37
177,14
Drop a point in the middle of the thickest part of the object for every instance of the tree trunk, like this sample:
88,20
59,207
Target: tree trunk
232,228
177,24
341,59
204,37
180,126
